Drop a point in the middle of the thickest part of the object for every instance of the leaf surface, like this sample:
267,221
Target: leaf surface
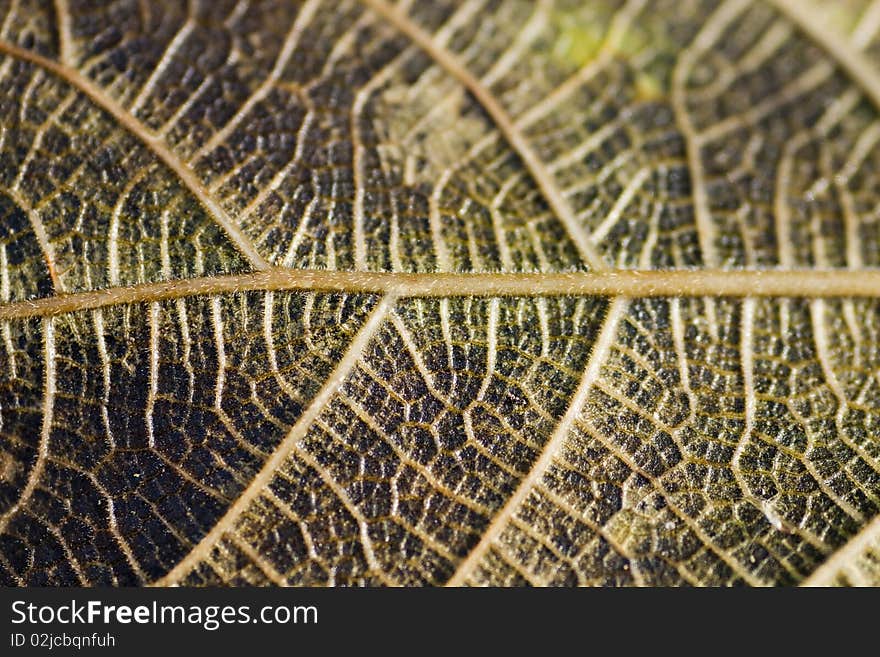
483,292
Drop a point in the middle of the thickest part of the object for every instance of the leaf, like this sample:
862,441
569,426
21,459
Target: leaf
439,292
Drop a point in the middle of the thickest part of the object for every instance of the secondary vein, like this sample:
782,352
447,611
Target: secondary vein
156,146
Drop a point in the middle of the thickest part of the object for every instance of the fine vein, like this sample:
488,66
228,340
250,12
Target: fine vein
289,445
156,146
526,485
503,122
863,72
861,543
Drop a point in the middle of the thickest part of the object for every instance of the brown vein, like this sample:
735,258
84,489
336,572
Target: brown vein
42,236
624,283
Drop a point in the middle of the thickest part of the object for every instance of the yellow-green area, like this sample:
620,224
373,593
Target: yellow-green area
585,32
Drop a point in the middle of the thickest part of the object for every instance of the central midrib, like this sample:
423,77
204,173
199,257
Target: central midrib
623,283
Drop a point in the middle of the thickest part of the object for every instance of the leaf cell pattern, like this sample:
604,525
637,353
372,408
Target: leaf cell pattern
181,402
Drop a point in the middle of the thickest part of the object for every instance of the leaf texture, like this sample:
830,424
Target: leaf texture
489,292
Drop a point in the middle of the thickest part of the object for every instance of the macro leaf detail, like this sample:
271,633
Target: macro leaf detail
484,292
